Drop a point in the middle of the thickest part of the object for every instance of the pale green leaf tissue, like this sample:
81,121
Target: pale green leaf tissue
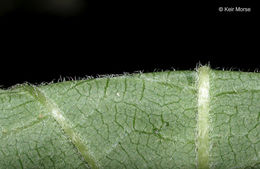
204,119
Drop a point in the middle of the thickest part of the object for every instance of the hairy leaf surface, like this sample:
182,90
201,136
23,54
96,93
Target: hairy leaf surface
173,119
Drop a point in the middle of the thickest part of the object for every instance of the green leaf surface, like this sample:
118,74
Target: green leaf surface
174,119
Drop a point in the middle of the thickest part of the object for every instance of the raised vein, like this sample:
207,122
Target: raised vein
203,118
56,113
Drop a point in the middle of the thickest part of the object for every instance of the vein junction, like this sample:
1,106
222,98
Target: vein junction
203,118
56,113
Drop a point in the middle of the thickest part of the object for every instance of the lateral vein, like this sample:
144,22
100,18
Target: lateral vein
203,118
56,113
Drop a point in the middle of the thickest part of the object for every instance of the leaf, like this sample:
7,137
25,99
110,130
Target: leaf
173,119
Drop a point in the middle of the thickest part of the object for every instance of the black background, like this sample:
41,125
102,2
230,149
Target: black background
113,37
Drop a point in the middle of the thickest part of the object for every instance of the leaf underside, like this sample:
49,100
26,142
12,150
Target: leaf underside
133,121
